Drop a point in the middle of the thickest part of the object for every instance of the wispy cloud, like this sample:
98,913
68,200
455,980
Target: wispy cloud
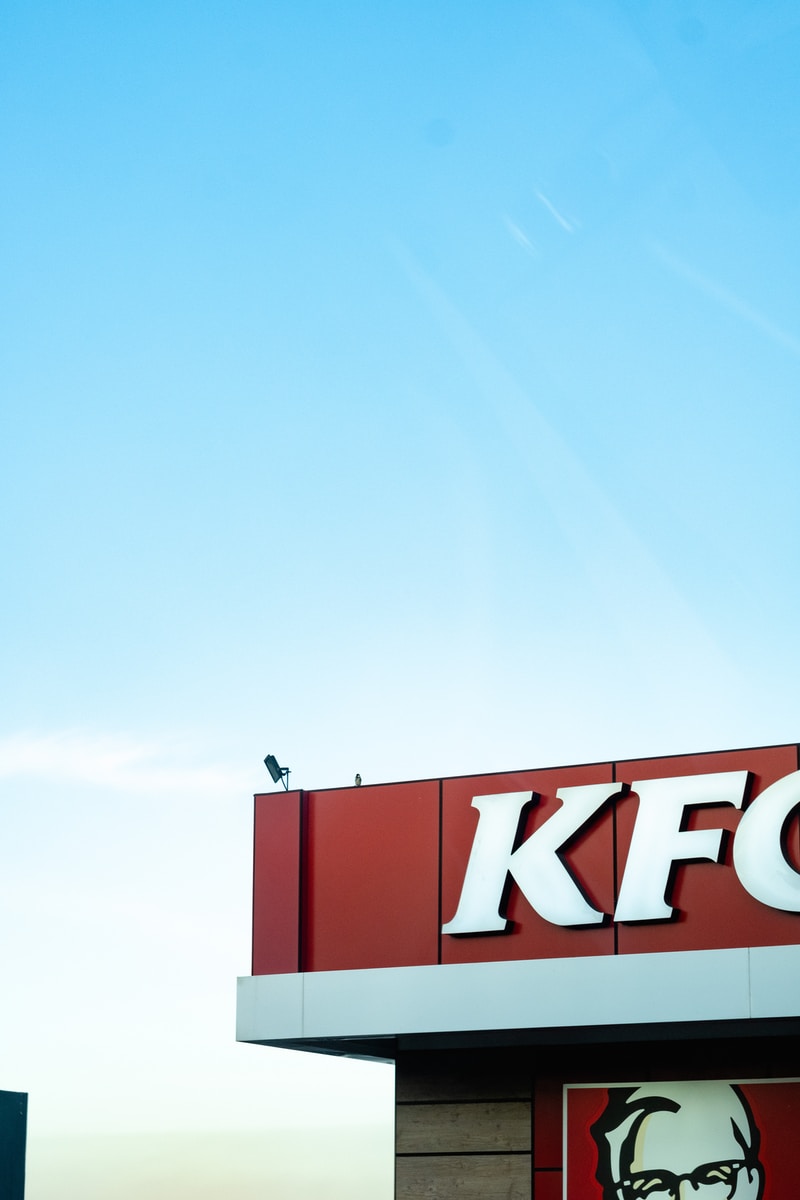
568,226
726,298
519,235
119,762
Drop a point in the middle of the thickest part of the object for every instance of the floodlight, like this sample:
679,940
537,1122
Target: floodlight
279,774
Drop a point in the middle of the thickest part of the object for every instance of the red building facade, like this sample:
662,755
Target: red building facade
507,939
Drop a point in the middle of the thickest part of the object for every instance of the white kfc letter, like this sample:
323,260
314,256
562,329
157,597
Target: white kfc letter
540,873
758,848
659,841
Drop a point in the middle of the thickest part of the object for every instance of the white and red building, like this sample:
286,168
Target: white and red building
505,938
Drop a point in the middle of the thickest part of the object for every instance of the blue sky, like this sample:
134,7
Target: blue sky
401,389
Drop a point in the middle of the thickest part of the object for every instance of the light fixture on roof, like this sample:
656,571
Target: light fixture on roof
279,774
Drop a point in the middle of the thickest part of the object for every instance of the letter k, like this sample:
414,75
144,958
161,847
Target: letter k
536,866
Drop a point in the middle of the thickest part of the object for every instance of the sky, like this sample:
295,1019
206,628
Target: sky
401,389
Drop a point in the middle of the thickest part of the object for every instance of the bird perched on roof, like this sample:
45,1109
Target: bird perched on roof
358,780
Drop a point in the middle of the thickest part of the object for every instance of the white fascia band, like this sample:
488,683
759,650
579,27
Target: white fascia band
700,985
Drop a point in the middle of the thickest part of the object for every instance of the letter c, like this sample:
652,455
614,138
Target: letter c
759,857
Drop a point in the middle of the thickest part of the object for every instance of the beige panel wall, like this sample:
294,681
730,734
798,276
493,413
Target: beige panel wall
463,1126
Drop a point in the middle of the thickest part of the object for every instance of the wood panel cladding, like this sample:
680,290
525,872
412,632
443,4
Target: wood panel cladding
465,1177
463,1126
469,1128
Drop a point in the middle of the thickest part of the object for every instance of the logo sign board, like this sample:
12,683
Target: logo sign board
660,842
709,1139
698,852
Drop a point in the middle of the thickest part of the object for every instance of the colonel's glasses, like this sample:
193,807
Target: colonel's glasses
714,1181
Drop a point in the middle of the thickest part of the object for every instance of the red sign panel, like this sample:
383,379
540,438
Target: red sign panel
371,895
698,852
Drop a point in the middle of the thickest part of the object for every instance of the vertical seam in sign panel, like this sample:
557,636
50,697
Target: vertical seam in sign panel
614,862
439,890
301,875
